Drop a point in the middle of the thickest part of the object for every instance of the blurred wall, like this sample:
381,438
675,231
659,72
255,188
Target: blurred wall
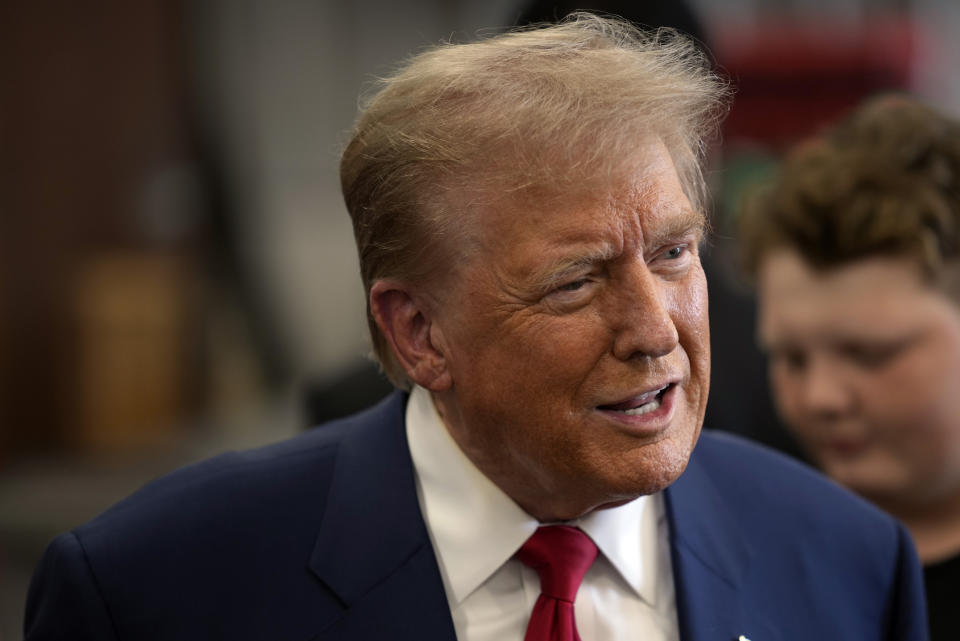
96,264
281,83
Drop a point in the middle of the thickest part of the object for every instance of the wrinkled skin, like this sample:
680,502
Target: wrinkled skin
562,307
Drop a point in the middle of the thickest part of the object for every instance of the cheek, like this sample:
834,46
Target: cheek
919,405
555,347
688,309
916,387
786,394
535,364
923,430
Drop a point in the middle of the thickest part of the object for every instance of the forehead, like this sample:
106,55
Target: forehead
872,295
642,195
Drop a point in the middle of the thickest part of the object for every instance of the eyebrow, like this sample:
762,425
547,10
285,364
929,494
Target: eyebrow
685,223
552,275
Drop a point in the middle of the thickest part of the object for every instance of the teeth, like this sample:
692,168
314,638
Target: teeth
644,409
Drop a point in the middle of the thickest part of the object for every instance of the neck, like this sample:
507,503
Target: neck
546,503
934,526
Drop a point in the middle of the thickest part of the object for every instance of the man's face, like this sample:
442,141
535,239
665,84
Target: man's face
865,368
576,336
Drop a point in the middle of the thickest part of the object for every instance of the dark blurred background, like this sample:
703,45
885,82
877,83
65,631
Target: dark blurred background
177,271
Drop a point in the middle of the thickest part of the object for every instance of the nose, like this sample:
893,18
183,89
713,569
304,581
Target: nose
643,324
827,393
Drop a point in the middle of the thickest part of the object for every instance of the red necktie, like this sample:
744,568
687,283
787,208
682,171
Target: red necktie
561,555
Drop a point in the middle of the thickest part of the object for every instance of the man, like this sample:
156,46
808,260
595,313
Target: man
528,211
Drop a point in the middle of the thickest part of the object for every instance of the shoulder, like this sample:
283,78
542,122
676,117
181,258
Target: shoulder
755,473
800,548
209,538
238,486
757,481
796,521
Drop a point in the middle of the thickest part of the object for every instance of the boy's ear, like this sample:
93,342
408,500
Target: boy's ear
409,328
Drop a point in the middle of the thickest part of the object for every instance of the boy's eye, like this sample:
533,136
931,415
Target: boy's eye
873,356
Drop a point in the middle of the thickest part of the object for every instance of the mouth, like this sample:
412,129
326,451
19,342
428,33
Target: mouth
846,448
641,404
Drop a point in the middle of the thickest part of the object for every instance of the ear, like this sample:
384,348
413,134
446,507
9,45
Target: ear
408,327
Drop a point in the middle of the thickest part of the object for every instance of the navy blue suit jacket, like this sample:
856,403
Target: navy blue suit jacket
321,537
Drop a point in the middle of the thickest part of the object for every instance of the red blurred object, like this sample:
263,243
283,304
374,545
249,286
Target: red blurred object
793,78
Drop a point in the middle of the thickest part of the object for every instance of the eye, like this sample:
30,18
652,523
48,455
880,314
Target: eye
675,252
873,356
792,359
671,261
573,286
573,293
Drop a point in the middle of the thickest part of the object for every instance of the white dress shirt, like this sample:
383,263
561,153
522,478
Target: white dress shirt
475,529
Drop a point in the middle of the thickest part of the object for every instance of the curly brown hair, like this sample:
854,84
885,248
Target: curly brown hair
884,181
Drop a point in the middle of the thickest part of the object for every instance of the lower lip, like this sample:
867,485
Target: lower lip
651,422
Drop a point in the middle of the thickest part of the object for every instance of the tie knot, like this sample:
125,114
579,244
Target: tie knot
561,555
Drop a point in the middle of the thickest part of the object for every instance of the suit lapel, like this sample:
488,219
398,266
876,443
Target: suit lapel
373,550
710,558
374,553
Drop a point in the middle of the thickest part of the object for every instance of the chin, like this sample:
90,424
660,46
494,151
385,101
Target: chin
614,490
657,469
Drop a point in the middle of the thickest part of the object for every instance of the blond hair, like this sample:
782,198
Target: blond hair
530,108
885,181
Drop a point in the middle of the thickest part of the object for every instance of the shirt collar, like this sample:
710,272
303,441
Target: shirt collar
629,536
475,527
